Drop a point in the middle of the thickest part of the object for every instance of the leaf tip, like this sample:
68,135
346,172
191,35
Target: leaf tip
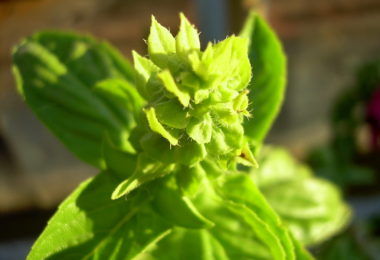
153,20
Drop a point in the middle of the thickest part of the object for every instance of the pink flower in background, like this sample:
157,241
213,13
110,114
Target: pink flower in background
373,117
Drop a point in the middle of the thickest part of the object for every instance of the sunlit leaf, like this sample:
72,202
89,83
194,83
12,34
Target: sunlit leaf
178,208
311,207
58,75
267,86
187,38
89,225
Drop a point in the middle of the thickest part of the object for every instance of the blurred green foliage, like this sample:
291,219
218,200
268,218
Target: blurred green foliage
338,160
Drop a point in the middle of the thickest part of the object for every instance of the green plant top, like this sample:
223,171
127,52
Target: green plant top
167,136
206,90
195,103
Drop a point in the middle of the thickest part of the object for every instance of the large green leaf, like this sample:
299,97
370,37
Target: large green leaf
89,225
87,58
267,86
311,207
80,89
245,227
242,197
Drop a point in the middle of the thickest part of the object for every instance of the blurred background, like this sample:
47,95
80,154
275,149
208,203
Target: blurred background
332,100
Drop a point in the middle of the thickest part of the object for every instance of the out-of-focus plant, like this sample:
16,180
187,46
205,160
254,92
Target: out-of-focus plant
355,115
168,136
311,207
359,242
345,246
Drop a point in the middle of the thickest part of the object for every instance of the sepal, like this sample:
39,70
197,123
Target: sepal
188,152
171,86
200,129
171,113
144,69
157,127
161,44
187,38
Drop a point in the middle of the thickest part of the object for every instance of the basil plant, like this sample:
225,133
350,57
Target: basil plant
175,139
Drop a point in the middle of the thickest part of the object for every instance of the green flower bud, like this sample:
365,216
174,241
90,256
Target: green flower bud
196,100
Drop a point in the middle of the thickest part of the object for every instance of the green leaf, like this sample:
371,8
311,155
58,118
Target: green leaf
262,230
229,239
267,87
244,199
190,244
236,237
311,207
87,58
122,99
178,209
187,38
245,227
89,225
57,74
118,161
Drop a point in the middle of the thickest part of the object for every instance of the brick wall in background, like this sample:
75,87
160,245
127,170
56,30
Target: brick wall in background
326,41
33,164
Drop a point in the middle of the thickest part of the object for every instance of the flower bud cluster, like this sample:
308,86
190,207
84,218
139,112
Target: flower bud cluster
196,100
